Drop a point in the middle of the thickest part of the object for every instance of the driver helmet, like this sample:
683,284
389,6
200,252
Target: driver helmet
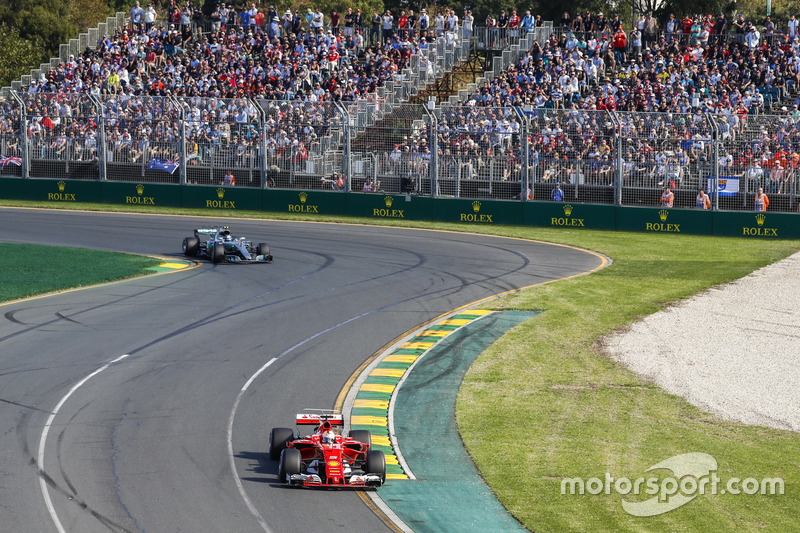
226,236
328,436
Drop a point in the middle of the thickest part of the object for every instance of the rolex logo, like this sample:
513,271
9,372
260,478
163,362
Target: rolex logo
220,193
476,206
303,197
61,185
140,188
568,210
760,218
663,214
388,201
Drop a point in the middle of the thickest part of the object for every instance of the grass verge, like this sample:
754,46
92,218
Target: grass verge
543,403
29,269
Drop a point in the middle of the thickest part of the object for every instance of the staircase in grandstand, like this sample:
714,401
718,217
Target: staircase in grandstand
89,39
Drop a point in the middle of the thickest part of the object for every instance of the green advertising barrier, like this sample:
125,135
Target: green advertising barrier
754,225
16,189
477,212
653,220
389,206
57,191
221,198
308,202
132,193
569,215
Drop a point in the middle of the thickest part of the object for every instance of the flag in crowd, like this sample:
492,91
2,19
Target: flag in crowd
167,165
728,185
7,160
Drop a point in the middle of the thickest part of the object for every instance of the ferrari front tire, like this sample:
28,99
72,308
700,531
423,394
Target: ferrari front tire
191,245
217,253
376,463
278,438
290,464
361,435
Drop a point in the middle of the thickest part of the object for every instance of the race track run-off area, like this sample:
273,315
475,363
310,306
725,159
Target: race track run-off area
146,405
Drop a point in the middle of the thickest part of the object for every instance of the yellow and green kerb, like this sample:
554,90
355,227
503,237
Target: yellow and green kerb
372,402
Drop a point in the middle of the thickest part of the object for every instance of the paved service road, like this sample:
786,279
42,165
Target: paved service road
143,445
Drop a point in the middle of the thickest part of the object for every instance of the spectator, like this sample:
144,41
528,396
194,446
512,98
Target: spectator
557,194
667,198
702,201
761,200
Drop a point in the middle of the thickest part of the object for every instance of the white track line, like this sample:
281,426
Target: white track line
42,441
253,509
244,388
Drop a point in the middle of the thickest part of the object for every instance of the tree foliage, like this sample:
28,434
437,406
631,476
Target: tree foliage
44,20
85,14
17,55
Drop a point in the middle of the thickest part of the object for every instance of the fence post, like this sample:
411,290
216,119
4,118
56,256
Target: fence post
262,143
524,180
618,159
345,122
182,140
714,163
102,147
23,135
433,168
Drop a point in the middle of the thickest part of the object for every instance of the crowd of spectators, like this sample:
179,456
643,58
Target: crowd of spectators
660,79
168,76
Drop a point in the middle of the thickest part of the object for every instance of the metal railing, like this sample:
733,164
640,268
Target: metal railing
601,157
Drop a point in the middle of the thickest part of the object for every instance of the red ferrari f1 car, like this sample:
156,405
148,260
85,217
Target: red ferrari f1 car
325,458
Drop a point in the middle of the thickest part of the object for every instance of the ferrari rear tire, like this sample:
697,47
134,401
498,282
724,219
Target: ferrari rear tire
361,435
376,463
291,463
191,245
262,249
218,253
278,438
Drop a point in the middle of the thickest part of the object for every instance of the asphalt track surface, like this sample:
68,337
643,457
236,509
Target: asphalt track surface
143,445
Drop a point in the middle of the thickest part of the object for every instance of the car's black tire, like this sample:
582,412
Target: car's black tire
262,249
376,463
291,463
191,245
218,252
278,438
361,435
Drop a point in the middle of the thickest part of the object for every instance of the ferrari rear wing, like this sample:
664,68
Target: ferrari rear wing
315,419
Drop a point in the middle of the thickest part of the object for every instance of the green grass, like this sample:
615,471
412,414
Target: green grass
29,269
545,403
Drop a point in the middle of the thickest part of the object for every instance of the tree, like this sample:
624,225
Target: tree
17,55
44,21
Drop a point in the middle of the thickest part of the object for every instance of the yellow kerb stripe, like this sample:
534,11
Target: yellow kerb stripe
381,440
396,476
399,358
455,322
374,404
377,387
435,333
416,345
173,265
388,372
478,312
368,421
391,459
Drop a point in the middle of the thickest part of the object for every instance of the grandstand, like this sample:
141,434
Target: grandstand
285,106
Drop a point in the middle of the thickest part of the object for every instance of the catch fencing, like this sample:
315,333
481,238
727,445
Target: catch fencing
371,145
